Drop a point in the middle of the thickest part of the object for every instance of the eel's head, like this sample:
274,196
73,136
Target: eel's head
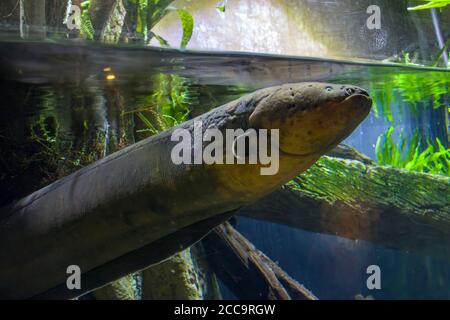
312,118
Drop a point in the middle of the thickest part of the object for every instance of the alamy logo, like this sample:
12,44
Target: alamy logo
374,280
241,147
74,280
371,32
374,20
73,17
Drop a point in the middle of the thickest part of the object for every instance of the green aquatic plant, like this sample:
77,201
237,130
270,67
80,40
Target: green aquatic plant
417,88
435,158
59,155
141,16
86,28
440,54
382,96
430,4
221,6
166,107
187,24
149,13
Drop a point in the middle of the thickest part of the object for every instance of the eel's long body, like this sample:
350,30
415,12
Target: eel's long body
136,207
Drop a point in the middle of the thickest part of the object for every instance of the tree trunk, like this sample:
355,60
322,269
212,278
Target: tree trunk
10,17
55,14
33,22
107,17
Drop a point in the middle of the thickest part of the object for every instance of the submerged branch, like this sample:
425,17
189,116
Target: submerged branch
248,272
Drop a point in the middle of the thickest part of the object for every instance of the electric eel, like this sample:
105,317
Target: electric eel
137,207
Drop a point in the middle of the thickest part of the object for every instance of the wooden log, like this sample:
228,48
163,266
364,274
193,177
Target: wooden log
100,12
388,206
248,272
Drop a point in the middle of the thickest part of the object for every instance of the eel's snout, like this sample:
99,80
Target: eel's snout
312,117
352,90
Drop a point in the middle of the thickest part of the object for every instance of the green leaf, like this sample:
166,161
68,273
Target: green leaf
163,42
87,30
440,53
85,5
221,8
187,23
412,147
430,4
411,165
434,159
147,122
378,151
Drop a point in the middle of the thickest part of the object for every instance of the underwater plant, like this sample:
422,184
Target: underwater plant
56,150
166,107
86,28
414,88
187,25
440,54
221,6
148,14
434,159
430,4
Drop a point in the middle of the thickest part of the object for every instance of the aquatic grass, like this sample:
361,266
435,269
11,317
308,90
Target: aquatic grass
157,10
434,159
417,91
430,4
56,146
414,88
187,27
86,28
141,16
148,14
440,54
382,96
166,107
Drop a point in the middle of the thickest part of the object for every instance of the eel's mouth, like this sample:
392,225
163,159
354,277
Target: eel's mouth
365,97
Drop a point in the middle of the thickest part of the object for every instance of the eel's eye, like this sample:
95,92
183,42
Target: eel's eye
328,89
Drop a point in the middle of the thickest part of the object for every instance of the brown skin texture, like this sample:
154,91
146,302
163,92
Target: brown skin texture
312,119
138,196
